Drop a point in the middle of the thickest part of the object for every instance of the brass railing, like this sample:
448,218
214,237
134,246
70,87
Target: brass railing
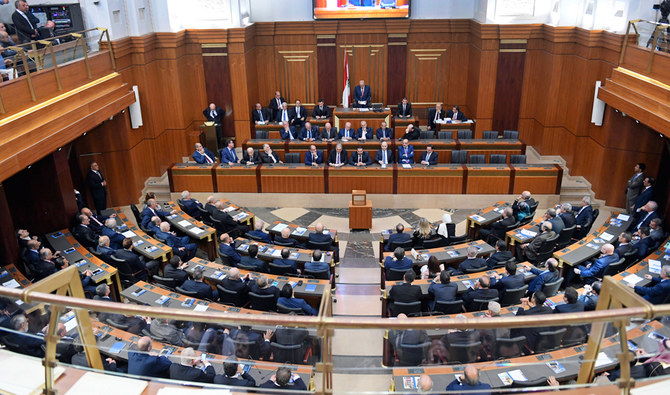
659,39
617,304
44,55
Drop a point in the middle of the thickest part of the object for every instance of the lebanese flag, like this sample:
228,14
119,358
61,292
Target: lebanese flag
345,90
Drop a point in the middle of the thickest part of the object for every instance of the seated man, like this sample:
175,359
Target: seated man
285,263
481,290
285,238
204,291
405,292
347,133
166,329
233,282
498,229
360,158
405,152
142,362
429,157
228,154
286,299
298,114
262,287
228,224
397,237
592,271
523,198
115,238
645,244
658,290
30,344
252,260
48,264
557,224
227,250
472,263
288,132
584,215
326,238
152,210
309,132
136,263
329,133
434,115
203,155
317,264
512,280
190,205
104,248
192,368
175,270
531,306
337,157
501,255
530,251
572,303
234,375
284,379
269,156
469,382
404,109
656,231
456,115
314,157
542,277
261,115
258,232
83,233
623,244
362,95
250,157
384,155
364,132
384,133
411,133
590,295
181,246
566,214
283,114
320,111
442,291
397,262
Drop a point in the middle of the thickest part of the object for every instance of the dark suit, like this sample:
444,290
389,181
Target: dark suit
26,31
557,224
29,344
584,215
385,133
406,155
149,213
275,106
239,286
228,155
190,373
471,264
229,251
534,246
85,236
262,115
261,235
396,238
297,385
432,160
204,290
457,117
321,112
531,333
216,116
431,117
280,115
622,249
179,275
44,269
115,238
356,158
497,229
191,207
542,278
267,158
228,224
390,263
413,135
332,157
656,292
350,134
368,133
297,115
362,95
379,156
313,133
508,282
245,381
291,134
289,242
325,135
143,364
481,293
642,219
200,158
404,293
309,159
633,189
134,262
287,264
497,258
568,219
645,196
256,159
569,308
98,191
442,292
406,111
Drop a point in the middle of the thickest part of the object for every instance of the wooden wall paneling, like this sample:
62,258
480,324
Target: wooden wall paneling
509,84
572,107
534,98
217,83
427,75
297,73
266,72
367,56
9,254
239,83
326,53
396,70
457,77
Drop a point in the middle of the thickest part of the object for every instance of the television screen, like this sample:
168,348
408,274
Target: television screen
360,9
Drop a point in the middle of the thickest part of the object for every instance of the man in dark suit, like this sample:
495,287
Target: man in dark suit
25,23
227,250
234,375
572,303
501,254
203,155
646,195
262,287
314,157
411,133
397,262
284,114
512,280
542,277
384,133
472,262
469,383
47,264
529,251
192,368
251,157
645,244
498,229
364,132
329,133
481,290
175,270
429,157
204,291
276,104
319,237
152,210
285,239
137,266
405,292
285,263
456,115
634,186
298,114
261,115
337,157
84,234
435,114
360,158
584,216
309,132
228,224
233,282
190,205
115,238
644,216
143,363
31,345
405,152
228,154
592,271
98,187
557,224
181,246
252,260
269,156
320,111
397,237
658,290
362,95
347,133
567,215
442,291
283,379
384,156
404,109
538,307
524,197
96,221
289,132
258,232
623,244
215,114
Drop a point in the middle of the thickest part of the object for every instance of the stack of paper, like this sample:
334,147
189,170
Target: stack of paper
184,223
632,279
654,266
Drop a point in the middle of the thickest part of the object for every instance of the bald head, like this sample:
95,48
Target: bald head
471,375
425,383
607,249
319,227
285,233
234,273
144,344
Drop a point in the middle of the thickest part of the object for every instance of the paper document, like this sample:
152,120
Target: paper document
196,230
477,218
623,217
528,233
276,252
71,324
128,234
654,266
280,227
200,307
299,231
603,360
106,384
406,166
632,279
606,236
11,284
184,223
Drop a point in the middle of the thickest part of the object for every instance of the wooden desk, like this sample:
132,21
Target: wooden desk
273,129
191,176
277,144
11,277
454,126
488,178
204,235
442,147
438,179
515,236
275,230
360,217
142,242
371,178
236,178
292,178
483,218
302,147
541,179
400,124
355,116
239,215
489,147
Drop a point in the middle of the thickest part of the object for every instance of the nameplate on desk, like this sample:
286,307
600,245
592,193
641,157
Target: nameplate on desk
543,357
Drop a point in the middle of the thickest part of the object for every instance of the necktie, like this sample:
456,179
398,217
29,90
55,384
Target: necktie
437,115
403,108
338,159
278,103
284,116
213,114
383,133
427,156
346,133
290,135
260,114
385,157
208,159
96,220
309,134
643,219
234,155
313,158
273,158
360,160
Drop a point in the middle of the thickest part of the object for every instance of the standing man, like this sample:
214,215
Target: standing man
646,195
634,186
213,113
25,23
98,186
276,104
404,109
362,95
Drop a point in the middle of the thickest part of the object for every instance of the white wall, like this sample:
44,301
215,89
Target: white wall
284,10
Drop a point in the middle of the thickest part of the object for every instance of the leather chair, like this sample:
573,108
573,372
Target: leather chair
510,134
464,134
509,348
451,307
184,292
288,310
410,309
228,297
292,157
498,158
513,296
262,134
565,237
459,156
517,159
427,135
444,135
549,340
477,159
490,134
262,302
464,353
551,289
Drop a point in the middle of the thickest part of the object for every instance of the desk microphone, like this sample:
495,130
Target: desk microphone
260,373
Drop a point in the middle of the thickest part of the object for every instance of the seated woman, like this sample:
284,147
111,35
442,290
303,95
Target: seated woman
432,269
423,232
524,211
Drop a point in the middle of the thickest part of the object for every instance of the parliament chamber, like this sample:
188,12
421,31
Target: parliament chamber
411,197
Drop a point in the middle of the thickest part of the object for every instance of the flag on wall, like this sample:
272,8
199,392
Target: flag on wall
345,89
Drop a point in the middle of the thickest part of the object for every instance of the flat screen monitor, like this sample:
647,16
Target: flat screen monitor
360,9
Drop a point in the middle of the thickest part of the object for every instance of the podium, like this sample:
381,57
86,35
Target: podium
208,137
360,210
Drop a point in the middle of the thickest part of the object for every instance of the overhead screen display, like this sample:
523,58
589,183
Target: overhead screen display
360,9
